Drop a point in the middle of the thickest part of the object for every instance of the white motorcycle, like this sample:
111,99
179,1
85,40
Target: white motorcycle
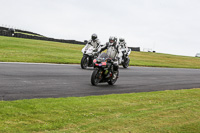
89,54
123,58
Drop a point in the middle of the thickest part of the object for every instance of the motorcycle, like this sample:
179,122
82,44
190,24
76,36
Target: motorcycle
123,58
104,70
89,54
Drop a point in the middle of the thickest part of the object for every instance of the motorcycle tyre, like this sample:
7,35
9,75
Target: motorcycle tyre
126,63
112,82
83,64
94,80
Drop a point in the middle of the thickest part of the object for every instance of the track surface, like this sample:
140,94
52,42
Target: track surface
28,80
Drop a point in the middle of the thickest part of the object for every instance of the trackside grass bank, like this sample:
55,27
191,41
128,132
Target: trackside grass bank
27,50
176,111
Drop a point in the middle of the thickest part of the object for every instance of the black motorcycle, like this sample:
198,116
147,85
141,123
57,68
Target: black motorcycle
104,70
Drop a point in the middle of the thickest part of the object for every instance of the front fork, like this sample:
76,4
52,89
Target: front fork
100,73
89,59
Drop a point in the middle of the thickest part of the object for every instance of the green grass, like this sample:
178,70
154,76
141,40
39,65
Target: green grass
163,60
28,50
167,111
175,111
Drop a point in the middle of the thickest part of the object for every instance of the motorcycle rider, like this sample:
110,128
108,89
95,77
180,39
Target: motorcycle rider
123,44
90,52
94,41
123,48
112,51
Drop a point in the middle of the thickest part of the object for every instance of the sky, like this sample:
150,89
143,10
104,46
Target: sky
165,26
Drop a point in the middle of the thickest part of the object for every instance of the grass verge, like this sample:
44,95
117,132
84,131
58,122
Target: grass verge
28,50
165,111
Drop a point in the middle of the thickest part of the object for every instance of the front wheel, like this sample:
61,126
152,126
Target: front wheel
84,62
96,77
114,78
126,63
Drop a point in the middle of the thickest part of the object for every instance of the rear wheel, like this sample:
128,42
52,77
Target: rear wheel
114,78
84,62
96,77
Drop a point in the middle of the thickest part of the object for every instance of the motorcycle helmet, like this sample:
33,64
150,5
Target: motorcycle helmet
94,37
111,39
121,39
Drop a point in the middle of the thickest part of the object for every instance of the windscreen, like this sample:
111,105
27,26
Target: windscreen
103,55
88,46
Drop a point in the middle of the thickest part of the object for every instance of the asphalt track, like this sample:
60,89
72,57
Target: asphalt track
31,80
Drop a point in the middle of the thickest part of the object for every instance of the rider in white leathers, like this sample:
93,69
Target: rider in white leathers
123,49
123,44
94,41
